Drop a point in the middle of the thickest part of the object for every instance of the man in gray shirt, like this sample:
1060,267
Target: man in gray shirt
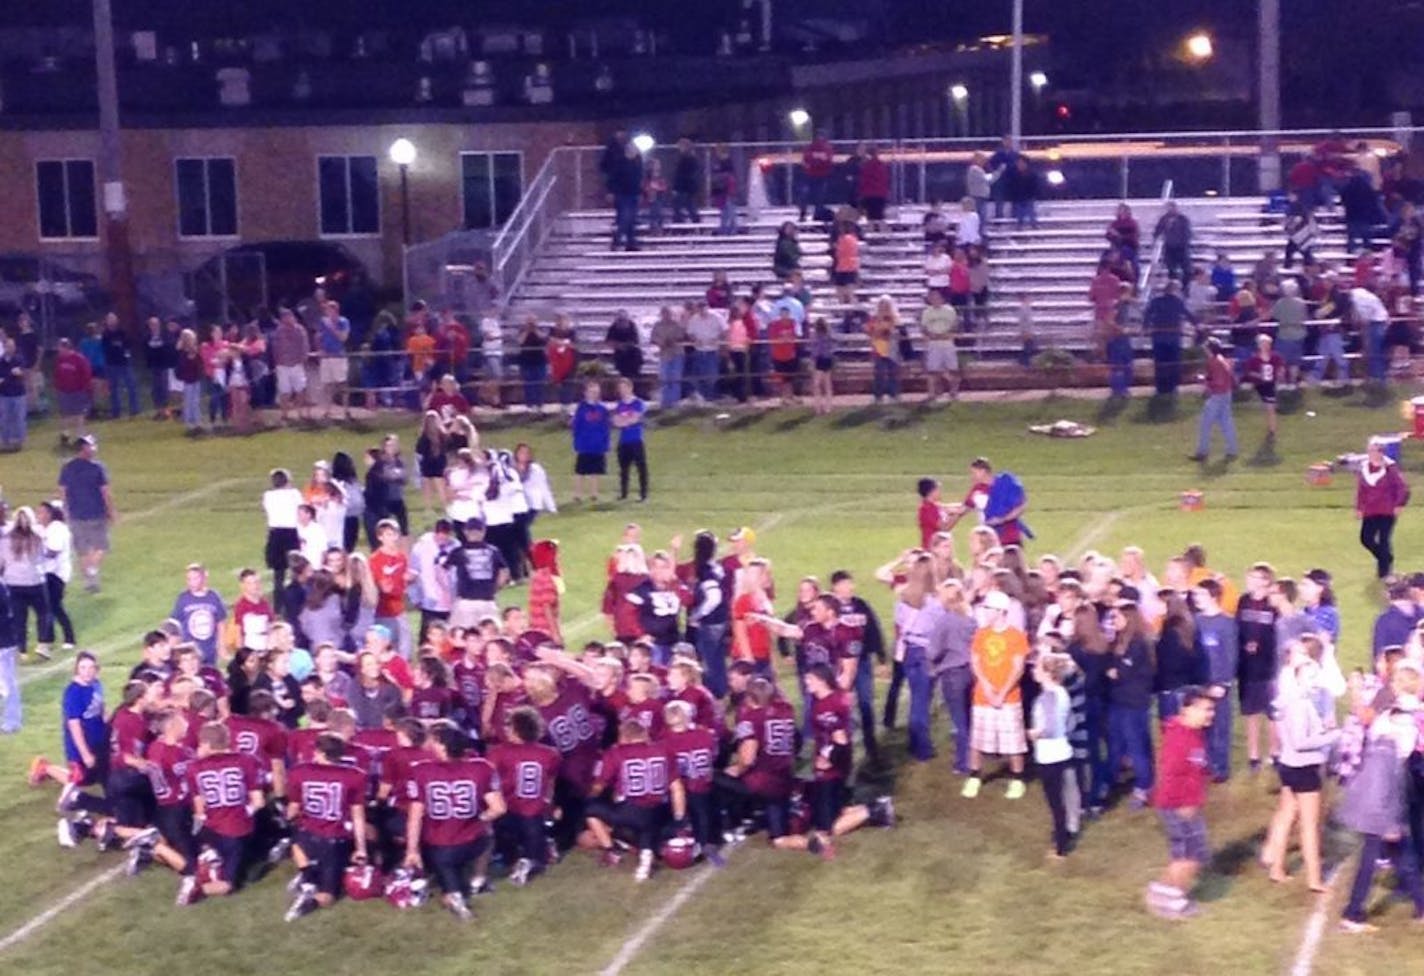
290,348
1217,639
669,337
705,330
88,507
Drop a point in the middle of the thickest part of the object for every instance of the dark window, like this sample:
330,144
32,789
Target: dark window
67,202
207,197
349,194
493,184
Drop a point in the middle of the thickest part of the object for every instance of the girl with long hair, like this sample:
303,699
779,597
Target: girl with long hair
343,475
917,616
58,564
430,459
1181,663
1088,648
22,568
359,604
1130,674
188,370
1305,739
952,668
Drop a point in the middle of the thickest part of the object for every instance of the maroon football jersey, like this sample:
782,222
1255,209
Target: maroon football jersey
396,768
128,735
639,773
225,781
260,738
504,703
301,745
820,644
526,645
169,772
526,776
830,715
469,685
324,794
695,751
195,725
432,704
569,729
604,710
648,714
452,794
853,622
774,729
704,705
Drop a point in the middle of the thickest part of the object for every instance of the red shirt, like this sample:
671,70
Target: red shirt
457,341
819,159
823,645
397,672
397,770
873,179
452,793
261,612
389,571
758,634
449,405
543,602
774,729
325,794
626,625
640,773
301,745
695,751
781,335
432,704
562,358
829,716
527,772
1267,370
704,705
72,373
569,729
931,519
169,773
1182,768
260,738
1219,378
1388,492
128,734
225,781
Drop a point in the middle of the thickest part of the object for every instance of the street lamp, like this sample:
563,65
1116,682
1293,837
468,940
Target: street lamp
958,92
643,142
1200,47
1038,80
402,153
799,117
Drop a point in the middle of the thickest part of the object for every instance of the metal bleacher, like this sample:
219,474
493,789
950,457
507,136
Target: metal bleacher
575,271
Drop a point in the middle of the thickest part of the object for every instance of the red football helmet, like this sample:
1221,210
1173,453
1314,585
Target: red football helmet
406,888
363,881
679,852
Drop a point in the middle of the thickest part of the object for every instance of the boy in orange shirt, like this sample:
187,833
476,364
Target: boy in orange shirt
997,655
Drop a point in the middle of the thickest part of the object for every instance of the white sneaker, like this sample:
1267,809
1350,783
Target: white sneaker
64,833
520,875
645,866
187,891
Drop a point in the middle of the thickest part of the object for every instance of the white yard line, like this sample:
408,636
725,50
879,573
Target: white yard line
631,946
1090,535
60,907
1315,928
178,501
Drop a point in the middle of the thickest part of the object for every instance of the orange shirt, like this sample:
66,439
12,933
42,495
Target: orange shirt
1229,593
996,654
421,349
847,253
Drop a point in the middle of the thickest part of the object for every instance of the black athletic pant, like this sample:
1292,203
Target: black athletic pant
1052,776
54,587
27,600
505,538
892,694
1375,533
628,456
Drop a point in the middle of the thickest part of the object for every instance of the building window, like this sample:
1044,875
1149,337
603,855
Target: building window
66,198
207,197
493,184
349,195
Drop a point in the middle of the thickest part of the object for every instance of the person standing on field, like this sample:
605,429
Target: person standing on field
1216,411
89,506
290,347
1380,497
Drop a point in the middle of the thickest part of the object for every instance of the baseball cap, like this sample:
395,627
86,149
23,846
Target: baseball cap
745,534
996,600
474,523
324,465
1128,596
87,440
381,631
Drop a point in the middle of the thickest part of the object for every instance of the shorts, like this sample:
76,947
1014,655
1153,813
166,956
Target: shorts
1300,779
333,370
130,794
1256,697
824,364
433,467
1267,392
232,852
175,826
999,731
941,356
280,542
786,367
1186,836
73,404
329,858
452,864
90,535
468,613
874,207
643,825
1291,350
844,277
586,464
827,799
291,380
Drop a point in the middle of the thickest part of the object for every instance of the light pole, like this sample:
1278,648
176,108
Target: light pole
1268,15
402,153
117,247
1016,78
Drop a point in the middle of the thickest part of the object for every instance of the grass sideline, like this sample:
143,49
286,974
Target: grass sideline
962,886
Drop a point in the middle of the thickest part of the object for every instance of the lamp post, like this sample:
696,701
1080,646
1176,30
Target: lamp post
402,153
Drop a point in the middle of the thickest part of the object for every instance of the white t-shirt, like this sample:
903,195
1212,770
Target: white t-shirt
281,506
467,492
58,540
313,542
331,516
937,270
968,231
1367,305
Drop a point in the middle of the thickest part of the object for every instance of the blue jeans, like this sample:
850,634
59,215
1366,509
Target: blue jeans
670,380
813,194
192,404
1096,719
1130,736
704,374
712,649
917,676
1218,736
1361,233
625,221
1119,365
1406,866
886,381
955,685
1167,362
865,702
1376,363
13,421
533,377
1331,350
1168,704
1026,212
121,376
727,217
684,207
10,717
400,633
1216,412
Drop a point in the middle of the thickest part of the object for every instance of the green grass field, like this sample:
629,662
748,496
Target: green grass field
961,887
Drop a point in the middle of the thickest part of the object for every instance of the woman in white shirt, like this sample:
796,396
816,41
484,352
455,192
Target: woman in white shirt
58,563
280,504
466,482
937,270
500,507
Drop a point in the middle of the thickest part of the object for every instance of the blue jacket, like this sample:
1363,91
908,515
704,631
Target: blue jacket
1392,628
1006,494
592,428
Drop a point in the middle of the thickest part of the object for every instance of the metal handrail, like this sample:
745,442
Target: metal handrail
1144,278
